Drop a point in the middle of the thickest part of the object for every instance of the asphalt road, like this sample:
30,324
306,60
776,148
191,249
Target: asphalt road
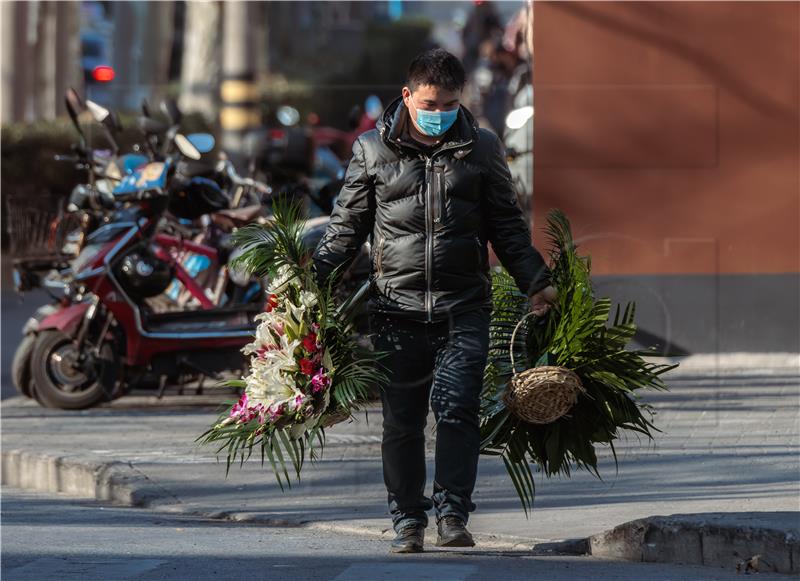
56,538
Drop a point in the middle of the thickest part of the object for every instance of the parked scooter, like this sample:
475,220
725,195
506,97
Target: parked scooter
102,334
88,207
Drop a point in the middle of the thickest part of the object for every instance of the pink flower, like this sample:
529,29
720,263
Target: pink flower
274,412
320,381
262,413
298,401
278,328
241,411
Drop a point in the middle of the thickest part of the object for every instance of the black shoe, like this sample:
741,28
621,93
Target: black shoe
409,539
453,532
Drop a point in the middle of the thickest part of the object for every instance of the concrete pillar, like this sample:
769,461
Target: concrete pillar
157,33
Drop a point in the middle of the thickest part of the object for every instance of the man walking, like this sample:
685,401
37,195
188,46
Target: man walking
431,188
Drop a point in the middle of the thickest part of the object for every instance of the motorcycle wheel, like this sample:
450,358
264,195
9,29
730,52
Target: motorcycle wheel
21,365
60,383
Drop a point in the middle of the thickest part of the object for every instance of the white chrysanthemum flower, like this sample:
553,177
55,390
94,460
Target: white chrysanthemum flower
308,299
282,278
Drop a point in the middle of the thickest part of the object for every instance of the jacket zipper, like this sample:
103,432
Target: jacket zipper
428,238
379,257
437,200
429,221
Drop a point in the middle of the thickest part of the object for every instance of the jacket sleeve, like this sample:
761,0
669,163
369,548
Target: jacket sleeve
508,231
351,220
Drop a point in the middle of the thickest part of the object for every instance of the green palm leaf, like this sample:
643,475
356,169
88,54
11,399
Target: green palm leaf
578,335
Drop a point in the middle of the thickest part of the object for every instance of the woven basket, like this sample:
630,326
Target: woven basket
540,395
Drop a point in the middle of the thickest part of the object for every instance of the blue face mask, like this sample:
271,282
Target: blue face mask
435,123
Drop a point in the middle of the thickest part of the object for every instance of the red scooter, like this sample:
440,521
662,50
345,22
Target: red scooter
103,334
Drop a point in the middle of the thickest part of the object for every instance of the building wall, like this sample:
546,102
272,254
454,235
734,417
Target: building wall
669,134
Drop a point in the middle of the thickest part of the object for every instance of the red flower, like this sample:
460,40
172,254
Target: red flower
310,342
307,366
272,302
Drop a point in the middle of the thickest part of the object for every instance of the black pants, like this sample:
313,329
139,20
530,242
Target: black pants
440,363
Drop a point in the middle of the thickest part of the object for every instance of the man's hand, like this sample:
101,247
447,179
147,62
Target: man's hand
541,301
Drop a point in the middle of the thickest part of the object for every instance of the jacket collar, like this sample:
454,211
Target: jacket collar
389,125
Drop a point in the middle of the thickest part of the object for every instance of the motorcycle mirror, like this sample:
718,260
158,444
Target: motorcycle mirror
203,142
288,116
107,119
74,106
74,100
517,118
99,113
170,108
146,108
186,147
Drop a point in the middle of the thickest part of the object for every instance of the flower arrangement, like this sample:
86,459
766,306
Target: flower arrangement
306,369
576,334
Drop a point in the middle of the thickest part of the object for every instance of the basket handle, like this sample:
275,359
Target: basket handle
513,337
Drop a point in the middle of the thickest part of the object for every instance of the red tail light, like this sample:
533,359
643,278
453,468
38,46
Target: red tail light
103,74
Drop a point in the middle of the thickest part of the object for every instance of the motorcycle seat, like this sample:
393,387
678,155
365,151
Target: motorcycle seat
191,168
228,318
236,217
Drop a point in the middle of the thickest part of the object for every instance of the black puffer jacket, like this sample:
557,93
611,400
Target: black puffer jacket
430,219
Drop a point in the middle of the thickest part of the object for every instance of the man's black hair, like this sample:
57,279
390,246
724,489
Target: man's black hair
436,67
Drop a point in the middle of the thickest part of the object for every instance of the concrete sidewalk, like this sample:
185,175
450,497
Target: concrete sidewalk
719,486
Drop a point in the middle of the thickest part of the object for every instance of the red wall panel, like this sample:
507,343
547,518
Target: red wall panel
669,132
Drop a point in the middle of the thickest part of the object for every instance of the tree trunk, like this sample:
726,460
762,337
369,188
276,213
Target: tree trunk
200,63
45,69
160,26
68,51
